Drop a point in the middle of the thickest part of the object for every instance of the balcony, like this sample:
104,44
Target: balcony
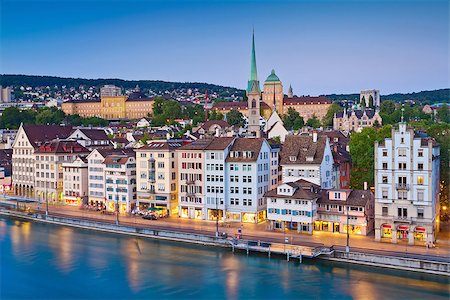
190,194
402,186
189,181
151,179
402,219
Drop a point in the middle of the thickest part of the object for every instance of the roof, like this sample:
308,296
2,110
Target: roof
358,113
83,100
207,125
306,100
200,144
219,143
340,155
93,134
356,198
304,190
246,144
162,145
59,147
39,134
272,77
301,147
116,159
108,151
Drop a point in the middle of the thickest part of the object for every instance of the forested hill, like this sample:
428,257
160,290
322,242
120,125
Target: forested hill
430,97
154,85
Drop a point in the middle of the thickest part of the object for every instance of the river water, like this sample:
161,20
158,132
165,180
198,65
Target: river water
42,261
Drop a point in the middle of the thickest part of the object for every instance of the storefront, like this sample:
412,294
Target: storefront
212,214
184,212
74,201
386,231
322,225
233,217
420,234
353,229
402,232
198,214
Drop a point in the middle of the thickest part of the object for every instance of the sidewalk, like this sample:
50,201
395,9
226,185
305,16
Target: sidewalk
260,232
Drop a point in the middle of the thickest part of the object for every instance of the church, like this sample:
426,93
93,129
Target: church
274,99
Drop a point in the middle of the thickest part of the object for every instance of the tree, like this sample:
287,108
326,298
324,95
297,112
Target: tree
387,107
293,120
328,119
158,105
313,122
235,117
443,114
363,101
362,153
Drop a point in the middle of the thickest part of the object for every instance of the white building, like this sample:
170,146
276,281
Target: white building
274,127
120,175
91,138
142,123
75,185
407,187
110,91
307,157
156,169
293,206
248,168
216,177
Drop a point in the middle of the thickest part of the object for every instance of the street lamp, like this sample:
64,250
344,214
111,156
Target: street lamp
217,216
347,247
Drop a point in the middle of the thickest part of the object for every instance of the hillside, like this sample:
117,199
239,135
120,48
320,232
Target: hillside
155,85
424,97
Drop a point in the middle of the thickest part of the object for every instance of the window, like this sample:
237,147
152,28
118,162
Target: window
402,152
402,166
420,167
419,179
420,213
384,210
385,153
420,153
384,193
420,195
384,179
402,212
385,166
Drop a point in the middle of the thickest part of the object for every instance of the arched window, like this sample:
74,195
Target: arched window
253,103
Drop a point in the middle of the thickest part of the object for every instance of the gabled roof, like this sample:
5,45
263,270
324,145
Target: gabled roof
356,198
301,147
117,159
220,143
303,190
162,145
39,134
60,147
200,144
246,144
108,151
207,125
93,134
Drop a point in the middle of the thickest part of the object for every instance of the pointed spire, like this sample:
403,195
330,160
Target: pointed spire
290,92
253,72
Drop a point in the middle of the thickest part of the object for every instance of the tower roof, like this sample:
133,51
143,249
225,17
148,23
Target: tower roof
253,83
272,77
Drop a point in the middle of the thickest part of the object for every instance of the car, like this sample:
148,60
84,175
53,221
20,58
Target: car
150,217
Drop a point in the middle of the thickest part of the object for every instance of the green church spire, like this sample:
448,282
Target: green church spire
253,83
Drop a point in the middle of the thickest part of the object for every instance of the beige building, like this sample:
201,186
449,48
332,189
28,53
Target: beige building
356,120
135,106
75,186
156,172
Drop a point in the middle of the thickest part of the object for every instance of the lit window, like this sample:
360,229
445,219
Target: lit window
419,179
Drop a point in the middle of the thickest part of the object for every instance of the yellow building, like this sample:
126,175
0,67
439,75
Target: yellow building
111,107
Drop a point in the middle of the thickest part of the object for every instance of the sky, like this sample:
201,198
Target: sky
318,47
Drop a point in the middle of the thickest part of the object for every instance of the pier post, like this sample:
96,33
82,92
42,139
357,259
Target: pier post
287,256
247,249
269,252
300,257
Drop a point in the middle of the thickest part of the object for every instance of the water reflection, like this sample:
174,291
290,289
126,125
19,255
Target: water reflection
231,267
20,238
131,252
63,246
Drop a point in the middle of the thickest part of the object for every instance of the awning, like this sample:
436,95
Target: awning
386,226
403,227
155,208
420,229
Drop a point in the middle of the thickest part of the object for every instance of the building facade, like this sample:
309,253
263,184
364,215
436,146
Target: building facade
356,120
407,188
157,176
75,184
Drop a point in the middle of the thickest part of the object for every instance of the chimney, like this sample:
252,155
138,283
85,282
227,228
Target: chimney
365,185
314,136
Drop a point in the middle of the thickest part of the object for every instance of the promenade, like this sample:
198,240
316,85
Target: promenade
261,232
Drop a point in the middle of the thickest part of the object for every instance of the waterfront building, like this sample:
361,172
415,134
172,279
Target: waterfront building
28,139
356,119
49,159
407,187
308,157
120,182
338,207
90,138
248,168
191,180
293,206
75,185
216,177
157,174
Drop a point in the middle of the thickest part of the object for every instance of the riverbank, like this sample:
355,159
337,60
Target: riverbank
384,260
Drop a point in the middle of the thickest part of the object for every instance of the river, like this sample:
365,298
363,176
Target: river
43,261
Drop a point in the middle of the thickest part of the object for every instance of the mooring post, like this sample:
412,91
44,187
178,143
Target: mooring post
300,257
247,248
287,256
269,252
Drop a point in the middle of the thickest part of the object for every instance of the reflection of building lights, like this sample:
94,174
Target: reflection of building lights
444,207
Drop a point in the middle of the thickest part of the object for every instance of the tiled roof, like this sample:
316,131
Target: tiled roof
356,198
200,144
301,147
306,100
162,145
207,125
94,134
246,144
61,147
220,143
116,159
108,151
39,134
304,190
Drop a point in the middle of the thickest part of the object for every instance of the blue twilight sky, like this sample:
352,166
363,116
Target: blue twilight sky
319,47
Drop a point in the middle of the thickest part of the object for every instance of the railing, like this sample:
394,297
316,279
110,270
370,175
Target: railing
402,186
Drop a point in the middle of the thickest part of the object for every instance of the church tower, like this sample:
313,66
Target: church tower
273,92
254,96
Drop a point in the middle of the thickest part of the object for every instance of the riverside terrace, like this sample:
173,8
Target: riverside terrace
258,232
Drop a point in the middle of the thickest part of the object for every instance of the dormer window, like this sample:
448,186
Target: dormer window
292,158
337,195
309,158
